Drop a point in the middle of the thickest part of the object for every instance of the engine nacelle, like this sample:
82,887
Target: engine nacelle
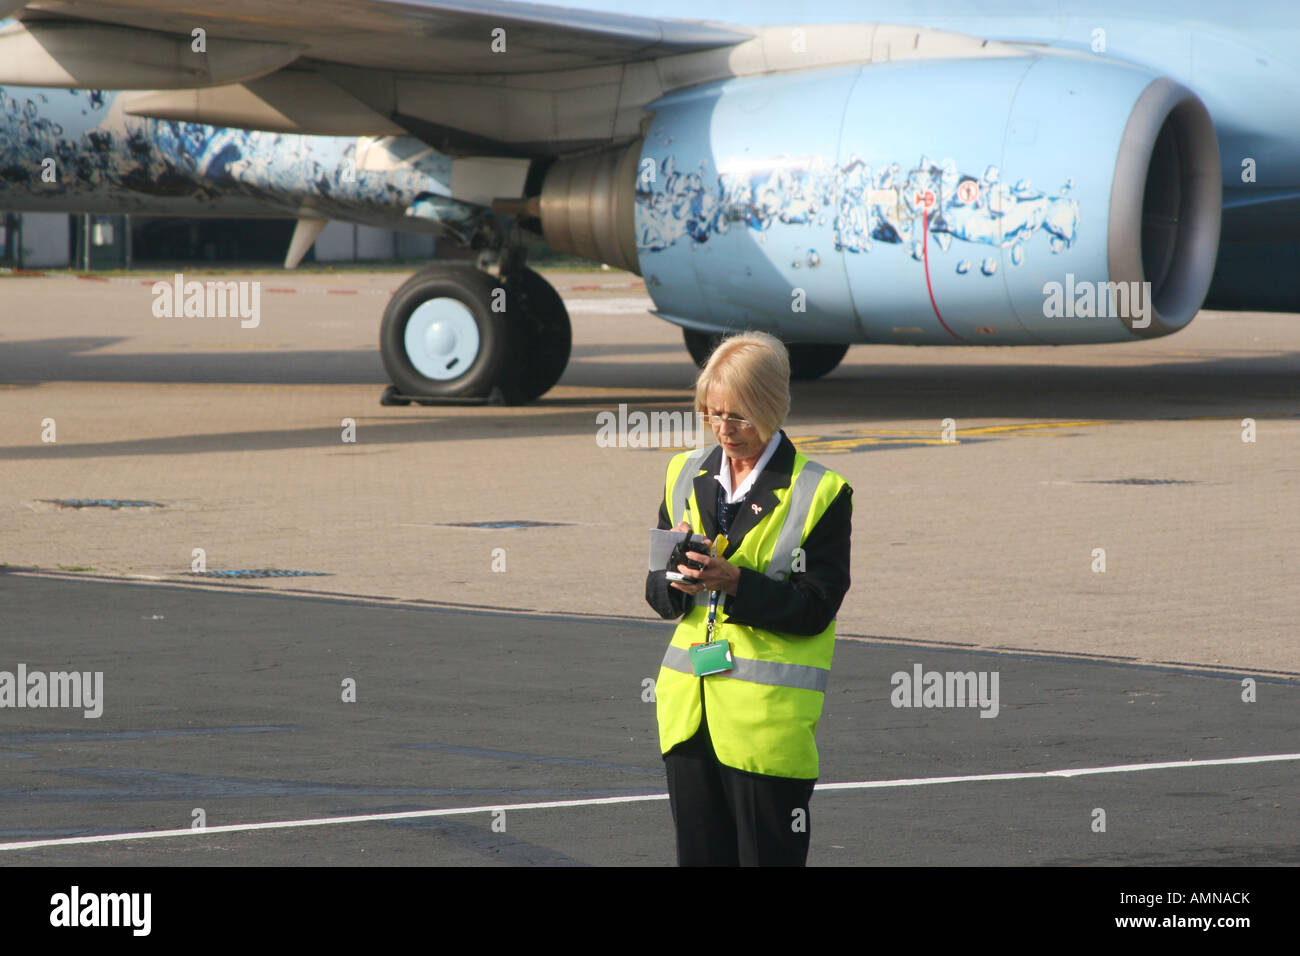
1019,200
588,206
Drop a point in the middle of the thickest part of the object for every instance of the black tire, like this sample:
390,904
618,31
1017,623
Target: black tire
700,344
474,289
541,324
808,360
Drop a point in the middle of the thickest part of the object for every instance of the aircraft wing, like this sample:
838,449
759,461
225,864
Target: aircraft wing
415,36
494,78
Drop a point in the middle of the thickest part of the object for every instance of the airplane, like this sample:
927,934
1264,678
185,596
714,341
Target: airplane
964,173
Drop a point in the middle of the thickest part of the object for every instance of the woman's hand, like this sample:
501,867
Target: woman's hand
718,573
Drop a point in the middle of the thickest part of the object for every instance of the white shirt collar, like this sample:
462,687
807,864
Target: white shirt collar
724,477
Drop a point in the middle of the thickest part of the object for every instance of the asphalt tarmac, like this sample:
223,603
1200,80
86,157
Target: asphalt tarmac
234,705
504,665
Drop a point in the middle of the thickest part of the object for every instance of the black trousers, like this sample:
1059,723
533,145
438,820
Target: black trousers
727,817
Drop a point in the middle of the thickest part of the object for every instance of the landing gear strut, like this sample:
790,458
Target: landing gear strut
455,333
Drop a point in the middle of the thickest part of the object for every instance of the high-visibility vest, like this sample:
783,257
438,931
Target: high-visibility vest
763,714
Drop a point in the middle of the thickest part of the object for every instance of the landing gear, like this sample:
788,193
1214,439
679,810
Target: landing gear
700,345
545,332
456,333
808,360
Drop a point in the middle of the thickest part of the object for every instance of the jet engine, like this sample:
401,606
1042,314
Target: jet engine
1015,200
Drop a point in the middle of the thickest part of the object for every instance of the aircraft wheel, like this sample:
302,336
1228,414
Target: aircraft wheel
700,344
541,322
808,360
440,336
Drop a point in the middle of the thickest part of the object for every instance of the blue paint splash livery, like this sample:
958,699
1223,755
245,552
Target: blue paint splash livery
104,158
886,205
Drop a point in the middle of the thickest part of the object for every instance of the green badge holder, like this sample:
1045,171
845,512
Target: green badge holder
711,658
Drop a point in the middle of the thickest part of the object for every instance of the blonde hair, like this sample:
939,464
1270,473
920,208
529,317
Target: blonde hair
753,368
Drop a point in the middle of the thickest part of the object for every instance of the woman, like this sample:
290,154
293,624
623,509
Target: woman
739,745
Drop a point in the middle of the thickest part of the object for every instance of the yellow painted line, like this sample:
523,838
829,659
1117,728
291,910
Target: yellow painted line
815,443
1033,426
991,429
1030,426
982,429
875,436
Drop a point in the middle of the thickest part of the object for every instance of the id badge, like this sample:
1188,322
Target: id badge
711,658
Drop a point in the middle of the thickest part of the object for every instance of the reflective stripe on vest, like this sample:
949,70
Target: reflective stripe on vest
758,672
791,534
686,481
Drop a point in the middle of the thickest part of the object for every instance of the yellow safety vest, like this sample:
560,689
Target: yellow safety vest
762,715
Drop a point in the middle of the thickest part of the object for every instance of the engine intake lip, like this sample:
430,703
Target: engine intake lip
1166,205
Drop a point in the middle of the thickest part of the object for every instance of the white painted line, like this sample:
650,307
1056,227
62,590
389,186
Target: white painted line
323,821
1036,775
599,801
621,306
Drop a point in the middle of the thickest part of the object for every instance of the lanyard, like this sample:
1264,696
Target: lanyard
719,546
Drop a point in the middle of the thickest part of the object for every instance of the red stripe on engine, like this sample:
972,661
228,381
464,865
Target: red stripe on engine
925,257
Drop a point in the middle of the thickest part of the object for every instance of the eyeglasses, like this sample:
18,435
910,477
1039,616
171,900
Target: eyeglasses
719,421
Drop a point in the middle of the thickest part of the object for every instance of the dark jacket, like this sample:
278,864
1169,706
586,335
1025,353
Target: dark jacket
805,603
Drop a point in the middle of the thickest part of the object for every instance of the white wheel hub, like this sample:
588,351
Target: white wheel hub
442,339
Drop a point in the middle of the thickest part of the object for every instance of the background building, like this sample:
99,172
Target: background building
57,240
